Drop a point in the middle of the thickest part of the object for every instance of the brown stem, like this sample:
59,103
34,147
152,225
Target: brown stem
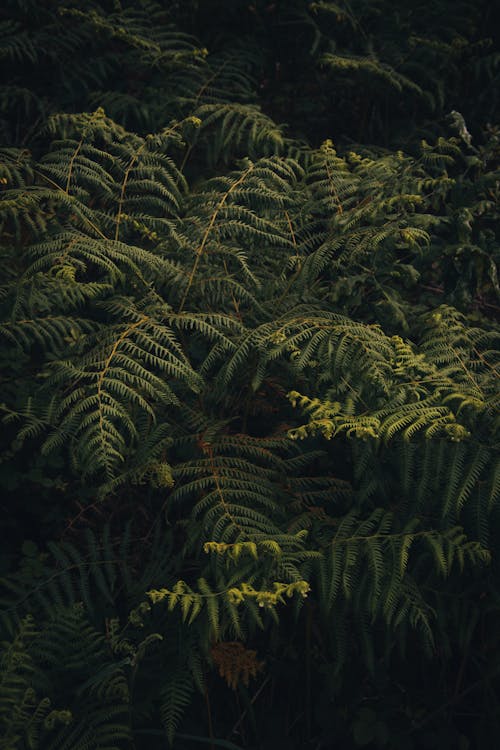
209,718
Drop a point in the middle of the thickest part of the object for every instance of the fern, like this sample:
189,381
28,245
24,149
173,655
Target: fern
249,373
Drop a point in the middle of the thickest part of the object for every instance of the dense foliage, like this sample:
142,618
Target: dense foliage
249,467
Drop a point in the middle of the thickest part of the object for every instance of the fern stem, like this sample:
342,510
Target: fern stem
215,474
71,164
308,670
129,168
336,196
103,374
58,574
294,276
209,716
200,93
403,535
199,251
241,718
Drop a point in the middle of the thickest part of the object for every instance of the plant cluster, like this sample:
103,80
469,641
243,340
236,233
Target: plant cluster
249,464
